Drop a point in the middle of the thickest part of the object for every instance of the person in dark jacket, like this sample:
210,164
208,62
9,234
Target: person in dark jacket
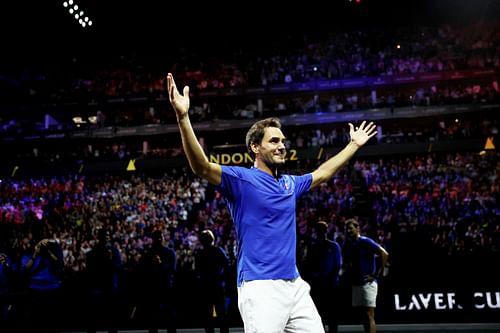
211,266
103,266
158,266
323,263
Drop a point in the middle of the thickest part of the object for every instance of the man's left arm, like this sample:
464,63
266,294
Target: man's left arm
383,255
359,137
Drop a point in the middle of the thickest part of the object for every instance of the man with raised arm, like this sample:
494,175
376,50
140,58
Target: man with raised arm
272,297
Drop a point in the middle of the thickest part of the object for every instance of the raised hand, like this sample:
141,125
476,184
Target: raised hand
360,135
179,102
39,245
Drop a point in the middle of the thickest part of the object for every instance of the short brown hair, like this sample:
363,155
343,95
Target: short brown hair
322,226
256,132
351,221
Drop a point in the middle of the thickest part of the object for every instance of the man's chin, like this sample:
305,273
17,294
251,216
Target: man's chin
275,163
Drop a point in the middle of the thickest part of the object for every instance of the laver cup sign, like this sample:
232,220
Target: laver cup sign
446,301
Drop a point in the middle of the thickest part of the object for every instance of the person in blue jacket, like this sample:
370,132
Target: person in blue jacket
323,266
272,297
43,268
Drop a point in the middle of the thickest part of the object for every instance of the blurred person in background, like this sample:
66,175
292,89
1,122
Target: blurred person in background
361,254
158,266
4,289
323,265
211,267
43,269
103,266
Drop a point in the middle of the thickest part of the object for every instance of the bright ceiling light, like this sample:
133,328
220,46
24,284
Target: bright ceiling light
78,13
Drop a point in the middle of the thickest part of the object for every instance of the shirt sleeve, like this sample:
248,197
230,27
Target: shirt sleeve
302,184
230,180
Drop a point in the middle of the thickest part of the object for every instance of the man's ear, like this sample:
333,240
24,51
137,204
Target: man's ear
255,147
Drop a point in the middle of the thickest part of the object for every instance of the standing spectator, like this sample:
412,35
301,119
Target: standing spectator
4,289
158,273
211,266
323,264
43,269
103,265
360,258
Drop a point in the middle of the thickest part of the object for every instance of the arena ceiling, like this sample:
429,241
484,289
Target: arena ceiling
154,24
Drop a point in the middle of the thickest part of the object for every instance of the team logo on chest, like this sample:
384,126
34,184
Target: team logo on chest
286,184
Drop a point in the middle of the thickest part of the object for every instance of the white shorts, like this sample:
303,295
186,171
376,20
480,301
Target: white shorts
365,295
277,306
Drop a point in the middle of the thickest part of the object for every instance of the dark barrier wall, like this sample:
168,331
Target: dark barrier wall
426,286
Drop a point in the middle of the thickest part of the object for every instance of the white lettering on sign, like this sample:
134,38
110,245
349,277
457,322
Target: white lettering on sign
429,301
488,300
445,301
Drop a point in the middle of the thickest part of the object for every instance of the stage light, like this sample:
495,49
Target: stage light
77,12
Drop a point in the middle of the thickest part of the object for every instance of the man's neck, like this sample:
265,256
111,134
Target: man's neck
273,171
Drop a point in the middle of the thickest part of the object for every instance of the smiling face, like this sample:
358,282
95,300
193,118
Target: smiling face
352,230
271,151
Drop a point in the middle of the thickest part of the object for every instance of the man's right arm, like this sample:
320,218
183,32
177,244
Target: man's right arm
197,159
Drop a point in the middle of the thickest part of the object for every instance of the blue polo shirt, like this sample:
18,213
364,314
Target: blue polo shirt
264,214
361,255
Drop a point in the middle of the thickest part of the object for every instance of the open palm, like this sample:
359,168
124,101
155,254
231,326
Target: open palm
179,102
360,135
